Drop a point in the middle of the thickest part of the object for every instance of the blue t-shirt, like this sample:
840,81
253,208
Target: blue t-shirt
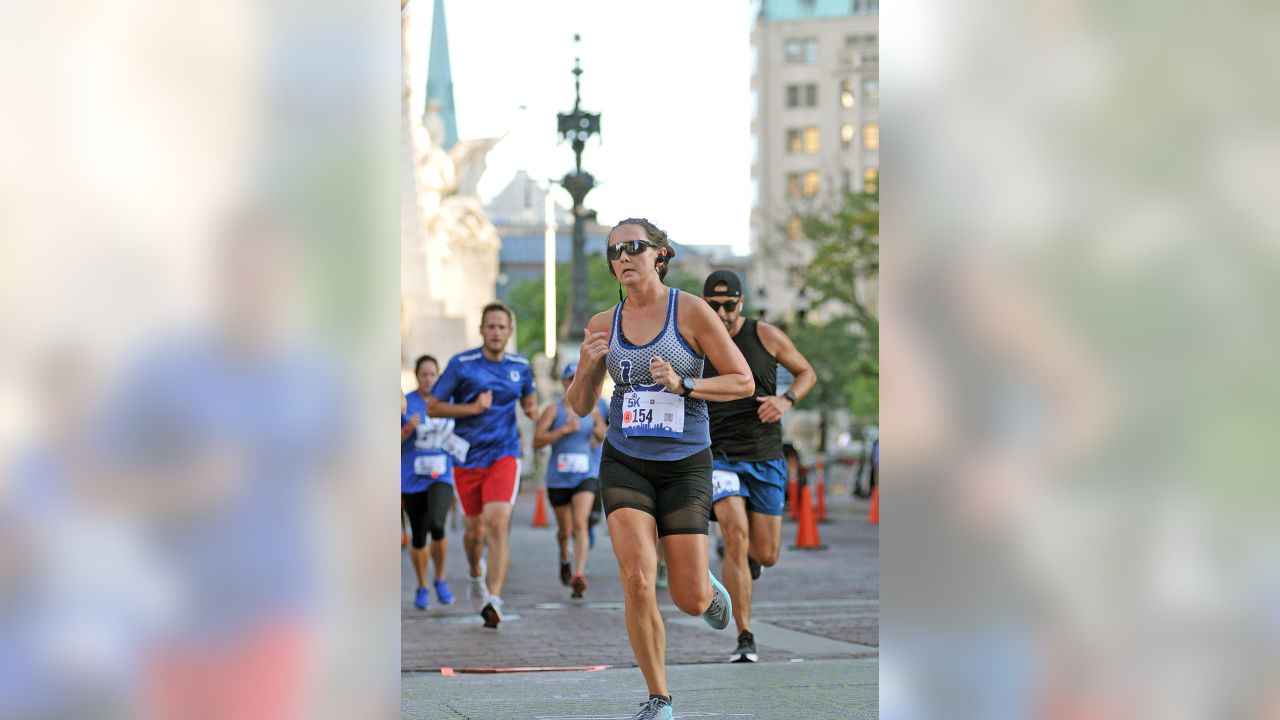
573,459
422,458
492,433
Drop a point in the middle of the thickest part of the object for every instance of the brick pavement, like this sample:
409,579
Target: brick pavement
811,605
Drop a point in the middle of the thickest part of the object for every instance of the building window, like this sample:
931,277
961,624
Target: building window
865,7
846,93
811,140
871,180
847,131
804,50
871,136
802,140
802,95
810,183
795,228
793,185
871,90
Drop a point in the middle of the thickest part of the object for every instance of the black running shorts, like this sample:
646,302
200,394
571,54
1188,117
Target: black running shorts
677,493
564,496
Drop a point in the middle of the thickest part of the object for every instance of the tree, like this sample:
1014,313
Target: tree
841,336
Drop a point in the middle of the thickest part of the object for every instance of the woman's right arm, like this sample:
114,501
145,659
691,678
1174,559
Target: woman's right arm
542,434
589,379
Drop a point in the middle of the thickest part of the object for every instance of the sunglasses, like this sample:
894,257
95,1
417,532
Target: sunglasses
631,247
728,305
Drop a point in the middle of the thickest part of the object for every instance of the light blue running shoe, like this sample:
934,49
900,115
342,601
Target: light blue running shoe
655,709
420,599
717,616
443,593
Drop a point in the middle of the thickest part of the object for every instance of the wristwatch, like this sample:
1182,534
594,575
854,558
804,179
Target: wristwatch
790,396
686,387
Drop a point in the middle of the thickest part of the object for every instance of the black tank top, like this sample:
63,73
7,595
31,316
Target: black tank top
736,431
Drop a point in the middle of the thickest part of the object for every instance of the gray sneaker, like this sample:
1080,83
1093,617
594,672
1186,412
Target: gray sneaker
655,709
721,609
477,592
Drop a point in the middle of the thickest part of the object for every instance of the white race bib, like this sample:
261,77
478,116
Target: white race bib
432,466
724,482
457,447
573,463
652,414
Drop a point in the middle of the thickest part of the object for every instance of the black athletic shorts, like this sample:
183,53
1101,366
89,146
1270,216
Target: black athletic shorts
427,511
564,496
677,493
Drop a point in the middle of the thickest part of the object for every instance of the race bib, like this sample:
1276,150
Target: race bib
573,463
432,466
457,447
649,413
724,482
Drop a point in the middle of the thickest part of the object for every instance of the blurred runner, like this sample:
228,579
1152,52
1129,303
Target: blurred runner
426,481
750,470
573,483
480,388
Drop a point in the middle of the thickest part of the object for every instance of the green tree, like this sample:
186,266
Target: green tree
841,335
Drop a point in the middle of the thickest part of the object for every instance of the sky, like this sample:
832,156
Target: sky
670,79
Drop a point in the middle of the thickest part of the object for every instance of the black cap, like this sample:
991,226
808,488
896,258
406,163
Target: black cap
722,277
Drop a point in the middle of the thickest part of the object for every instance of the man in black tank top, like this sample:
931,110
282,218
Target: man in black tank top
749,474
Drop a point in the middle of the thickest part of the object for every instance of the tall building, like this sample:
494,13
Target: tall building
815,128
448,246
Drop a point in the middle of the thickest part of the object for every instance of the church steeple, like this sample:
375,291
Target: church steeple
440,77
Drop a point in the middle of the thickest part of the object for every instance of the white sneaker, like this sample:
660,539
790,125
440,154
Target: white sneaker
492,612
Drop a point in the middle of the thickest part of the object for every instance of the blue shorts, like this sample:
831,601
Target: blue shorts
762,483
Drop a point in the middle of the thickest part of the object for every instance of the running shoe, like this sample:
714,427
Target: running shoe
721,609
566,572
746,651
755,566
655,709
492,612
442,592
662,575
477,592
579,584
420,599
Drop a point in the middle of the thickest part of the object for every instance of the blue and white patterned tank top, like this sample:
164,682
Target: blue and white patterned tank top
629,368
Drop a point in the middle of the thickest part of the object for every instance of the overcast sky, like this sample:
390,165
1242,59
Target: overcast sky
671,80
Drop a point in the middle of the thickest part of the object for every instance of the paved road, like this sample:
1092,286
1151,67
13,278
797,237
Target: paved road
815,618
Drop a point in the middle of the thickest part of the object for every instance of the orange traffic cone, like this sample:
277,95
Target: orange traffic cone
873,515
822,490
807,532
540,509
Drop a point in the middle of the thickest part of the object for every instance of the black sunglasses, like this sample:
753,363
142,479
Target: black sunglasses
728,305
632,247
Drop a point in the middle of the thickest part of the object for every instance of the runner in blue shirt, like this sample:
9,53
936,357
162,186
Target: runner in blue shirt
572,478
426,481
480,388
